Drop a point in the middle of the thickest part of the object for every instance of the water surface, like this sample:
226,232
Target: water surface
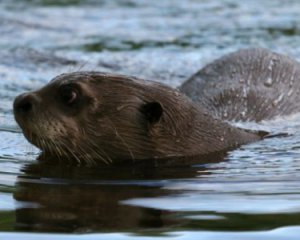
251,193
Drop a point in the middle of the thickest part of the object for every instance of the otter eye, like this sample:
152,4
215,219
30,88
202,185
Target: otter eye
69,94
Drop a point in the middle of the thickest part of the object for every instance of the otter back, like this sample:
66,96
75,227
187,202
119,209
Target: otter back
247,85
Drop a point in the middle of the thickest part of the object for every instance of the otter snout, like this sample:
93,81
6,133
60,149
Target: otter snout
25,104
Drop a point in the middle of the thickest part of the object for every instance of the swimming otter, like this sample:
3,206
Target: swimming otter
93,116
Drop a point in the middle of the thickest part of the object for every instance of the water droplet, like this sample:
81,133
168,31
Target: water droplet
268,82
272,63
119,108
176,94
245,93
279,99
291,82
290,92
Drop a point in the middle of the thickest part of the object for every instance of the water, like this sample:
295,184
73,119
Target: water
253,193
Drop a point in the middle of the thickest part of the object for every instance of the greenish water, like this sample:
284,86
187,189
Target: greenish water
252,193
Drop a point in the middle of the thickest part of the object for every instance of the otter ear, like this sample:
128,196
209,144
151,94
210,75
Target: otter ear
152,111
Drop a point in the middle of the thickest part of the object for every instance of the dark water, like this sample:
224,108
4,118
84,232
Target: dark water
252,193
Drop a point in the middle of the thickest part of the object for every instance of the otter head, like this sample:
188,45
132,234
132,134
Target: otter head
94,116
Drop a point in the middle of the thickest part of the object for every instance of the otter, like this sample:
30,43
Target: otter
96,117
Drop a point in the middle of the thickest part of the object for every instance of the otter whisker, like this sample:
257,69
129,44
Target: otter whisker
94,149
85,156
64,151
81,66
71,152
92,146
59,151
122,140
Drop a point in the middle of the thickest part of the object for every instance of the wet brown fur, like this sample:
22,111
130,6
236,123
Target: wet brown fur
110,123
247,85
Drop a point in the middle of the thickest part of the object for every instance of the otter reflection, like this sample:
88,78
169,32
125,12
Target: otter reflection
56,198
77,199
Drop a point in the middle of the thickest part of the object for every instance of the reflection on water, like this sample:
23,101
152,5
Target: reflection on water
251,193
81,199
148,200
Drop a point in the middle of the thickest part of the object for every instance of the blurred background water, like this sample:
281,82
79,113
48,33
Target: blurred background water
253,193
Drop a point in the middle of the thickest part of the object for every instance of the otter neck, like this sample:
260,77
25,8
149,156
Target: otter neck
202,134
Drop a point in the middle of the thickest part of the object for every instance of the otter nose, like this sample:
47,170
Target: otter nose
24,103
